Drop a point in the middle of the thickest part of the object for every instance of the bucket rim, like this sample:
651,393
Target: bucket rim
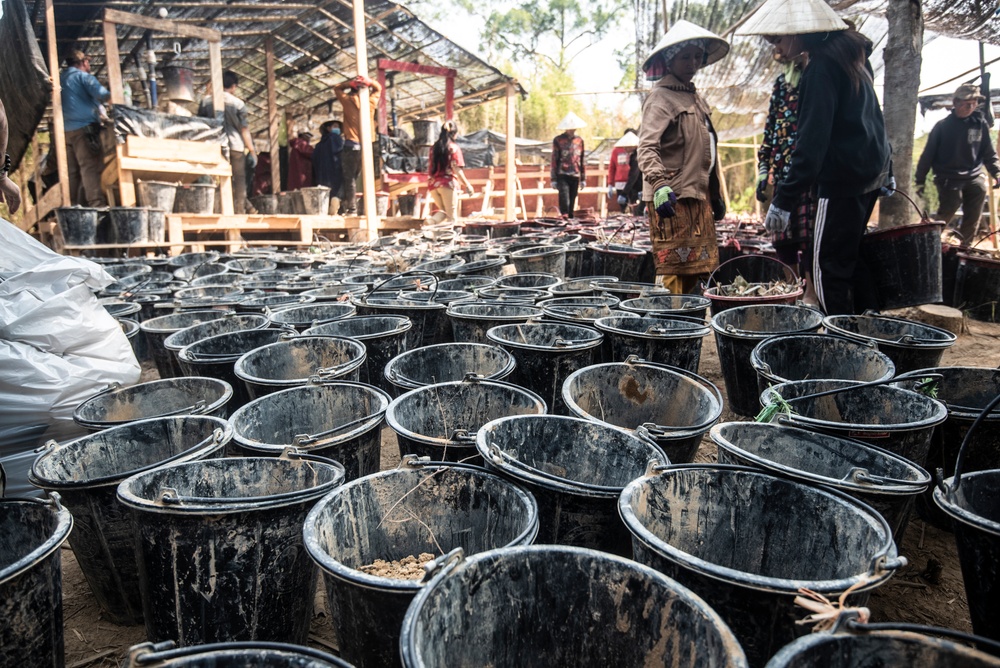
963,412
946,340
403,325
282,317
393,376
186,354
335,568
901,488
239,367
764,369
455,310
746,334
148,653
52,543
261,321
111,390
880,569
452,568
211,506
541,250
608,324
493,334
221,434
689,303
964,516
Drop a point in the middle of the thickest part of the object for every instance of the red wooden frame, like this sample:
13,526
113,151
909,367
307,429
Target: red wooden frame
385,65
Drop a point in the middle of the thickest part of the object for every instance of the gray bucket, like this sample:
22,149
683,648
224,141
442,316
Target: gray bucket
205,328
116,405
531,603
546,354
156,331
219,543
579,287
892,418
384,337
195,198
334,293
692,306
674,341
624,290
395,514
805,356
313,201
540,259
536,280
910,345
285,364
303,317
157,226
130,224
214,269
31,633
439,267
440,421
272,301
886,482
430,324
624,262
466,283
511,295
266,205
86,471
339,420
78,225
694,524
447,362
576,469
156,194
673,407
251,265
470,321
738,330
215,357
490,267
230,655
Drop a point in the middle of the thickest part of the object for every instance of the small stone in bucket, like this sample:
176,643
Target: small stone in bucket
407,568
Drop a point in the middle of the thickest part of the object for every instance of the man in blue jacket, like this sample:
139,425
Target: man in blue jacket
958,148
82,95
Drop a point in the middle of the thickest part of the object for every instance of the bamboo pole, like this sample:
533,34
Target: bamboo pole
272,117
370,222
58,129
510,168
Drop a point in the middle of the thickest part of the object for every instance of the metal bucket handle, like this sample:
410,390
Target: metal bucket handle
907,339
949,492
415,272
848,623
500,456
327,373
321,437
154,654
862,476
442,565
658,429
935,378
788,270
108,388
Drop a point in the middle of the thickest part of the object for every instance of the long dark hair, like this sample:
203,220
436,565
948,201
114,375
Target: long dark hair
440,155
848,47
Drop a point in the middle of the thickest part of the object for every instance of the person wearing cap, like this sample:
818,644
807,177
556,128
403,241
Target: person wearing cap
300,165
678,158
568,169
957,149
841,149
242,153
82,95
350,99
618,167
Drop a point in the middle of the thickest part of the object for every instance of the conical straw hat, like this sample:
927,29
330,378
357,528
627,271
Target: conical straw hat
715,47
571,122
628,140
792,17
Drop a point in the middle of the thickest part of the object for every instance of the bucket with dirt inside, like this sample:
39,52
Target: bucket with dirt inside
230,655
521,592
130,224
157,330
440,421
738,331
370,536
887,482
117,405
309,315
623,262
905,264
227,324
195,198
673,407
750,560
86,473
546,354
471,321
406,204
219,543
910,345
447,362
78,225
338,420
752,280
690,306
215,357
384,337
303,359
674,341
156,194
266,205
576,469
430,325
31,633
540,259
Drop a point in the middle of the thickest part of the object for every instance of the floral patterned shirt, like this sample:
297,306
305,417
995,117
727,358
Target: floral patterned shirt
780,130
567,156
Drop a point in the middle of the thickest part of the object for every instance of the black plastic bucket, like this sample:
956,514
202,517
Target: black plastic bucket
118,405
624,290
512,295
384,337
692,306
273,301
230,655
534,280
440,421
440,267
207,326
581,286
748,560
624,262
892,418
216,356
86,471
467,283
910,345
213,270
447,362
548,605
886,482
31,613
804,356
397,514
285,364
739,329
491,267
195,198
471,321
905,264
131,224
977,286
575,469
78,225
674,341
546,354
673,407
310,315
338,420
540,259
219,545
430,324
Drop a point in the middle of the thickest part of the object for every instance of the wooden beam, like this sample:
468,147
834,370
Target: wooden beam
58,128
364,100
161,25
215,63
273,128
434,107
449,97
399,66
510,169
383,102
113,64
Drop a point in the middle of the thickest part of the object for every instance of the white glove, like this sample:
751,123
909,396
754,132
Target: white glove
777,220
611,192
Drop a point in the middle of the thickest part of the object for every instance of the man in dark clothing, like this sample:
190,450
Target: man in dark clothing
327,168
957,150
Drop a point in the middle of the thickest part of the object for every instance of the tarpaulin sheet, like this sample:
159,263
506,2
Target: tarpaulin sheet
24,79
148,123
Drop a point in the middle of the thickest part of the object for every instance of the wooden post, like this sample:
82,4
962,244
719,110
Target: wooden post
383,103
58,129
449,97
114,64
273,122
370,223
215,66
510,170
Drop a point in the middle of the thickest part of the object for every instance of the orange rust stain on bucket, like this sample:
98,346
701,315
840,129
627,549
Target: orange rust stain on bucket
630,389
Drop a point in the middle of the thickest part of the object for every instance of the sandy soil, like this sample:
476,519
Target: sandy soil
928,591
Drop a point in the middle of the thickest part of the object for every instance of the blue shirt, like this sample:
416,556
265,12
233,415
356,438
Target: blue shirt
81,93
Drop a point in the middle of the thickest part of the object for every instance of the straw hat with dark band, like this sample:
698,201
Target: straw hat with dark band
684,33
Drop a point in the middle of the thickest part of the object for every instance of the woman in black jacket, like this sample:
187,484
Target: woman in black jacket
842,148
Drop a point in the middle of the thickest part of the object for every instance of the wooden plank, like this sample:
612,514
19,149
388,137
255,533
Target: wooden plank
174,167
449,97
113,64
370,223
215,66
510,169
226,194
161,25
416,68
58,127
156,148
273,120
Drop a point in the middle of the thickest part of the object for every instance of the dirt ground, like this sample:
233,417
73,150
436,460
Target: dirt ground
928,591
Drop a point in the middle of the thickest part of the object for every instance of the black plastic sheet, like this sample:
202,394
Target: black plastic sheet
146,123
